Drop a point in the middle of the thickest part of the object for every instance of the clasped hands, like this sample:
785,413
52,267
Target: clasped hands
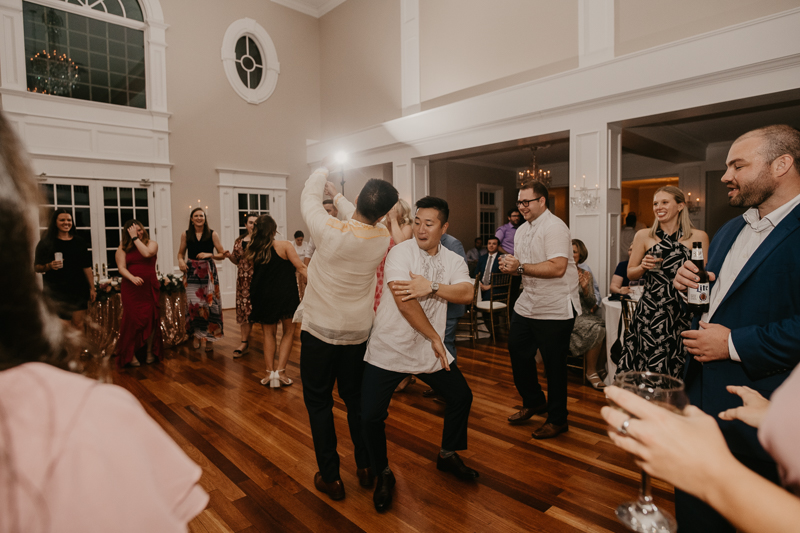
710,342
415,288
509,264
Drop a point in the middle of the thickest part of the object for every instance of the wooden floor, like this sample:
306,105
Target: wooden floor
254,445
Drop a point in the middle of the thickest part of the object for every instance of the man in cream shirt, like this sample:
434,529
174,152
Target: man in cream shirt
336,315
422,276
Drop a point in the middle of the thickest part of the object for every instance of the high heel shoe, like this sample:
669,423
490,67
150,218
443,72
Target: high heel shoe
267,381
150,358
596,382
135,362
282,380
238,353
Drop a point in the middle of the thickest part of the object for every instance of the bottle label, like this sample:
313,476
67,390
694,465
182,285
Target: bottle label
700,295
697,254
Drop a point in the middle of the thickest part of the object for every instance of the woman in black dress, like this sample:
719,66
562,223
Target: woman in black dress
66,263
273,294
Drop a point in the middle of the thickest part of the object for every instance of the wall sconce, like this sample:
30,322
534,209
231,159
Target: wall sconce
586,199
694,207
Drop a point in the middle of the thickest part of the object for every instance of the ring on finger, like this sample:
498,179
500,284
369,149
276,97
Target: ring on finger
623,429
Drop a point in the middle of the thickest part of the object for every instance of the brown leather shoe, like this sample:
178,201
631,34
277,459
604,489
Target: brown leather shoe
525,413
430,393
365,477
549,430
335,490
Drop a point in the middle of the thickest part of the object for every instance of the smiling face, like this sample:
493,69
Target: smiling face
251,221
666,208
199,219
428,229
492,245
139,231
64,222
536,205
748,178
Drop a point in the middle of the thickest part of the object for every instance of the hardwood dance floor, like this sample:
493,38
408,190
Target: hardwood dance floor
254,445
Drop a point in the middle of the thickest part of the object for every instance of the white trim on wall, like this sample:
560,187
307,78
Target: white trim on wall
272,68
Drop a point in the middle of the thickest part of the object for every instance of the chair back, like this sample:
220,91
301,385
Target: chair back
501,288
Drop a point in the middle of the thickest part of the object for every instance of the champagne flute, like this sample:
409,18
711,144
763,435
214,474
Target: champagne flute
665,391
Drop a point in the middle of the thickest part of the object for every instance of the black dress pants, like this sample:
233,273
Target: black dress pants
378,387
551,337
322,365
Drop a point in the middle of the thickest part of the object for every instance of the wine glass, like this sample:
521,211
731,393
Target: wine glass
665,391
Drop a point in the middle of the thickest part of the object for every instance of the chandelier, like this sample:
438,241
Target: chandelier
534,173
52,73
583,198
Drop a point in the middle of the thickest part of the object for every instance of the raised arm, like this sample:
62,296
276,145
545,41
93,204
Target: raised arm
413,313
311,208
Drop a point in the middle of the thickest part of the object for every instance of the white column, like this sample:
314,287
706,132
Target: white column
162,207
409,56
12,46
157,66
595,31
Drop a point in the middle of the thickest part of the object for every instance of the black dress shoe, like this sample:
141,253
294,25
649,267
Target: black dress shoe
549,430
382,497
456,466
430,393
365,477
335,490
525,413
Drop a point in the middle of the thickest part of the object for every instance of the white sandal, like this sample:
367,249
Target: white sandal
282,380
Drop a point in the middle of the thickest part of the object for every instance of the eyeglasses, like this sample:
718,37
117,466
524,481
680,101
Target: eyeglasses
525,203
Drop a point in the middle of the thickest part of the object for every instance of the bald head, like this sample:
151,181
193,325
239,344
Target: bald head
777,140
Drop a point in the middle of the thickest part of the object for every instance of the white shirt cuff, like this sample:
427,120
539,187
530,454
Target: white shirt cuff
732,350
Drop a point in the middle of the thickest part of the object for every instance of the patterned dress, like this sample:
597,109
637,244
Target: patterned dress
654,340
589,328
204,313
244,276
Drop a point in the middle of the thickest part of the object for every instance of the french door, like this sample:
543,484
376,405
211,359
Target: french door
99,211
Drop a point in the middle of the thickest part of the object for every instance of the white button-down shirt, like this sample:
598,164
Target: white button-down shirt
538,241
750,238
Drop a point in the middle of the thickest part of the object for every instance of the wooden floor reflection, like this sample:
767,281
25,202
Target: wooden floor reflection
254,444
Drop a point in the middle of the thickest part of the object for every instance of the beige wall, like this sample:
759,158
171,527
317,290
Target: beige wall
212,127
470,47
642,24
356,178
360,55
458,184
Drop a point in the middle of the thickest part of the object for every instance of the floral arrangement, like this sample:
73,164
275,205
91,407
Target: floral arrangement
171,283
107,288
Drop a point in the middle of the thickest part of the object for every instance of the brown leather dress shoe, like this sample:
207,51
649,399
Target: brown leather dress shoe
525,413
365,477
430,393
549,430
335,490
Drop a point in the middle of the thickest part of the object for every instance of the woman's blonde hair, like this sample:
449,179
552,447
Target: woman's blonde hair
684,222
404,212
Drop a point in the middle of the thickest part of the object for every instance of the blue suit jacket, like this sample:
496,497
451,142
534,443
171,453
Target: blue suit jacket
762,309
481,268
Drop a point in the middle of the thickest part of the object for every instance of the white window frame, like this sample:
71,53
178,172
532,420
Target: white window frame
497,208
272,68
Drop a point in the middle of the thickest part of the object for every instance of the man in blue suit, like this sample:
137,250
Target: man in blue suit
491,259
751,334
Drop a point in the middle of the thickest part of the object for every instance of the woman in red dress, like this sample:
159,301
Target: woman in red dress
141,324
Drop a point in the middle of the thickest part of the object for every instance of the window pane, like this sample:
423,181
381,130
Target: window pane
48,192
255,77
111,259
255,53
79,41
141,197
114,7
82,217
242,201
125,196
242,73
112,218
241,47
112,238
264,202
253,202
125,215
143,216
100,94
81,194
64,194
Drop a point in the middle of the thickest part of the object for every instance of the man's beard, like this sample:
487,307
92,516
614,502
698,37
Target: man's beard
756,192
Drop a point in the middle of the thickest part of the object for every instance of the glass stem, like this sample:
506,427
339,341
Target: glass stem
645,498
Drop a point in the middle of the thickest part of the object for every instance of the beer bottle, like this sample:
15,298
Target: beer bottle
699,298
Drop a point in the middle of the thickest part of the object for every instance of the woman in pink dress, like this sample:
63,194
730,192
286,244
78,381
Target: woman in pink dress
141,321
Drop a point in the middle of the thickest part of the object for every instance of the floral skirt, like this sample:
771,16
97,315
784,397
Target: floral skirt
204,313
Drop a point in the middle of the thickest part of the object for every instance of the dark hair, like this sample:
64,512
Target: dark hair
127,243
191,234
298,234
243,235
327,201
51,234
432,202
538,188
479,239
263,240
38,334
493,238
376,199
583,252
779,139
512,211
630,220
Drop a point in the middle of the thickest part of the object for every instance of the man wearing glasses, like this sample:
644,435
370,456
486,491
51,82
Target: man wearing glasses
545,311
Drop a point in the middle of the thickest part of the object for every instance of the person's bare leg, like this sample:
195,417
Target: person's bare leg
270,331
591,365
287,341
245,330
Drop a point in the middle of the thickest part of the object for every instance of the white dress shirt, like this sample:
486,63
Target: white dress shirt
750,238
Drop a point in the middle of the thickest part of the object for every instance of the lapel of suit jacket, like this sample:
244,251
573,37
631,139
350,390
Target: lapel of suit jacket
789,224
723,243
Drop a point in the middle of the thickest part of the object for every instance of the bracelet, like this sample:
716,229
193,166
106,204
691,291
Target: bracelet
134,238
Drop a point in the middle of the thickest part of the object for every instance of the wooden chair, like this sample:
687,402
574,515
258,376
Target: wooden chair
498,300
469,318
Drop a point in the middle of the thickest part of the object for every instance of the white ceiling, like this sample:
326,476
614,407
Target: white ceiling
315,8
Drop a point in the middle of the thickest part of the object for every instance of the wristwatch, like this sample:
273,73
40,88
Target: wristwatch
520,270
434,287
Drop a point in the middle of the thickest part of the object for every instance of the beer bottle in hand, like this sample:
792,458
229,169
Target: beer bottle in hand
699,297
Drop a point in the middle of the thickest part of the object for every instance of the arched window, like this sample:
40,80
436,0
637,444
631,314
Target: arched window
250,60
89,50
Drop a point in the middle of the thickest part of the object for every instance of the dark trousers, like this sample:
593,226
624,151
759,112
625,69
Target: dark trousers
551,337
515,288
321,365
377,390
449,340
695,516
